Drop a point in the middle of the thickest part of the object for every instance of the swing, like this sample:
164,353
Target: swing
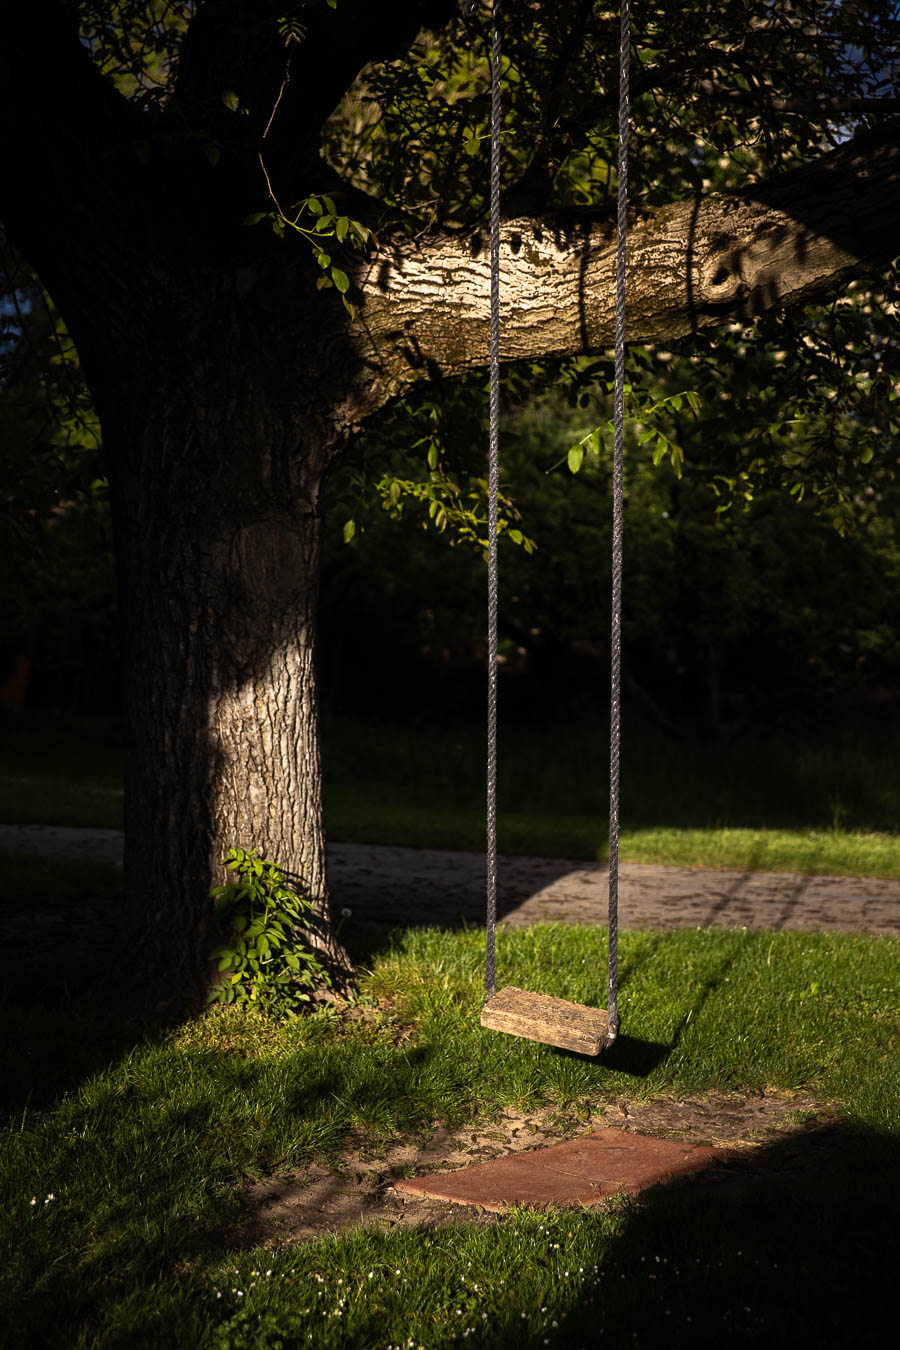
519,1012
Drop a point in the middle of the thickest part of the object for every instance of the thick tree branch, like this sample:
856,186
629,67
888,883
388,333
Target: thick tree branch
690,264
58,115
224,50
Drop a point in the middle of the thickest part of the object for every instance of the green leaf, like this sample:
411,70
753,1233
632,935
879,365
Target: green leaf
314,206
231,100
341,228
433,457
330,206
349,530
516,536
323,259
471,145
575,458
340,279
865,454
254,218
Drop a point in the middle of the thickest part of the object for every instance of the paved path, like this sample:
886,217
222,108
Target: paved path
381,884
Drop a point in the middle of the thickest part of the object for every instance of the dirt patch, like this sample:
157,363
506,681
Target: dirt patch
358,1187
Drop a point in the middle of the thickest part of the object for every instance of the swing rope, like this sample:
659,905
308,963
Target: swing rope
493,493
615,730
617,531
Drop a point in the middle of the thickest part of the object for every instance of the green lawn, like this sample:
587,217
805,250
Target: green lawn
123,1151
827,807
121,1157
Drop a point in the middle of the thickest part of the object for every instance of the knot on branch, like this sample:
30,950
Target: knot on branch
747,274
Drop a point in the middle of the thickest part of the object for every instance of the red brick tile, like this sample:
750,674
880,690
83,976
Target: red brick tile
583,1171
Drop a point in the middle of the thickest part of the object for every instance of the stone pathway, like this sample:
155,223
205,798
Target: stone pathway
385,885
436,886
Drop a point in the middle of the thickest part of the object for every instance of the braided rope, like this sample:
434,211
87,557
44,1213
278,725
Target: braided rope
615,731
493,492
617,532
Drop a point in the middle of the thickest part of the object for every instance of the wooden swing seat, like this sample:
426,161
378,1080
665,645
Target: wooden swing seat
553,1021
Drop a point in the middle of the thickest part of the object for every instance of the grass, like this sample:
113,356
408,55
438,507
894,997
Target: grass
61,771
122,1151
121,1154
827,806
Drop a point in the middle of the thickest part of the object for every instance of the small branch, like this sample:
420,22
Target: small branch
775,103
262,164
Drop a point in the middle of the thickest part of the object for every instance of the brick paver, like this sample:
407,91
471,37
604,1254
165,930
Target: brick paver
585,1171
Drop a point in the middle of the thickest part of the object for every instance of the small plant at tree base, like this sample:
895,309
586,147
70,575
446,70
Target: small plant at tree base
264,961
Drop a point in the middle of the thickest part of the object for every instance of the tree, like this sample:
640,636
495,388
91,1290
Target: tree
188,182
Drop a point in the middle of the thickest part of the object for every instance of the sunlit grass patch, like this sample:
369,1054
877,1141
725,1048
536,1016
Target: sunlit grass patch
145,1140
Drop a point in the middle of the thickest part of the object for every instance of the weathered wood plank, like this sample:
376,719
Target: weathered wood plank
553,1021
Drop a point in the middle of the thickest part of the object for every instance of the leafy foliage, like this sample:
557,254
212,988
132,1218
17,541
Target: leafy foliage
642,416
264,961
725,95
730,618
449,493
326,223
54,509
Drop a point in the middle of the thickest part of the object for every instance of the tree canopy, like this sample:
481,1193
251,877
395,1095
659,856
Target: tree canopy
264,224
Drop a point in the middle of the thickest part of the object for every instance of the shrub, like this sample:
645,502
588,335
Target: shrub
265,961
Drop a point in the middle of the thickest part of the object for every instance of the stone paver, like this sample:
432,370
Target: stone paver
435,886
585,1171
386,885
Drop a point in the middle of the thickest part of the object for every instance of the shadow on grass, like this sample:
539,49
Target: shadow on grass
793,1245
64,999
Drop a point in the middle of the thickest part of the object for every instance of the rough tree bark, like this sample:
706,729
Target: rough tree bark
690,264
226,383
215,494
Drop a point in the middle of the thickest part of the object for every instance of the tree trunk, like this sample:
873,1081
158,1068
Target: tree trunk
216,523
